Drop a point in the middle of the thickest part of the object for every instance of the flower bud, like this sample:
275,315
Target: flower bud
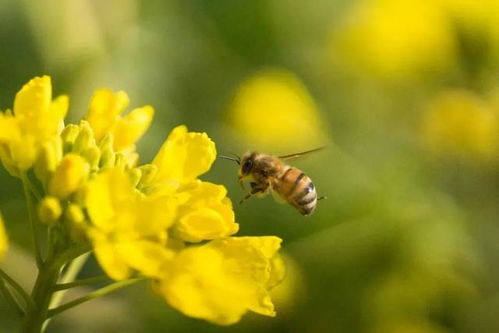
92,155
108,157
68,136
85,138
148,173
135,175
68,176
49,158
49,210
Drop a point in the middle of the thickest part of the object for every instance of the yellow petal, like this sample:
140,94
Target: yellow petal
34,98
184,156
131,127
145,256
104,109
221,280
109,258
107,194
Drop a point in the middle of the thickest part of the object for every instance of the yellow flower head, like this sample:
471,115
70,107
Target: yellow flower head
128,229
273,110
182,157
36,120
460,123
222,280
206,213
396,38
3,239
104,115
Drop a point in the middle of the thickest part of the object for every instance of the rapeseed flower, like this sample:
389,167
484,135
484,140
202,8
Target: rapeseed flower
461,123
104,116
273,110
127,229
139,221
223,279
35,120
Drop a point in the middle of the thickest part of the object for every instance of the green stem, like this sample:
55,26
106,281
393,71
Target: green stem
80,283
32,222
4,289
73,269
48,276
15,286
98,293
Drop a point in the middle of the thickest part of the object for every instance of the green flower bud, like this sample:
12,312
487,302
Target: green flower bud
108,157
49,158
49,210
148,173
135,175
74,215
85,138
68,136
92,155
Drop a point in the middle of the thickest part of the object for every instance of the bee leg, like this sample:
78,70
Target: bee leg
254,190
322,198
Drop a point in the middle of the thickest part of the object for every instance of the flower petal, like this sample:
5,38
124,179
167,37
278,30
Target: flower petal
131,127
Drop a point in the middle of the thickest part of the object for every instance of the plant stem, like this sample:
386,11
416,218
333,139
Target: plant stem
98,293
11,299
17,288
32,222
79,283
41,295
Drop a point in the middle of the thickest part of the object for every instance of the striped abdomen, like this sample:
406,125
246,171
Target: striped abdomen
297,189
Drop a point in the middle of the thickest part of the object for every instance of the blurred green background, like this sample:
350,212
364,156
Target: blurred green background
404,95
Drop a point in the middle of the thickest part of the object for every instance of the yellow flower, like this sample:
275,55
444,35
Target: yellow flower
128,229
223,279
390,39
206,213
36,120
461,123
182,157
69,175
3,239
273,110
104,117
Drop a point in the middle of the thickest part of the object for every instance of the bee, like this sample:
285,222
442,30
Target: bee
270,174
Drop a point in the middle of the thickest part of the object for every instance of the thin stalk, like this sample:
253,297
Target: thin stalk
17,288
7,294
96,294
80,283
73,269
32,222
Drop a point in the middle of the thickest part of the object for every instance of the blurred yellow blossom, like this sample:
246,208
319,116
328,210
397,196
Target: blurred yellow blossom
104,118
49,210
3,239
273,110
223,279
461,123
128,229
396,38
69,175
36,119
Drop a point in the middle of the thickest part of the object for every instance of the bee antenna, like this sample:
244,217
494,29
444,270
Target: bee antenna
235,159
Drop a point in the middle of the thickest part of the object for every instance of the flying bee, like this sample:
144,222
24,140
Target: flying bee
270,174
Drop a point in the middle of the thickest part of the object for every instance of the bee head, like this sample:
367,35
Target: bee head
247,164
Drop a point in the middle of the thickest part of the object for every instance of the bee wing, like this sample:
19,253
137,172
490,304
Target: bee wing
291,156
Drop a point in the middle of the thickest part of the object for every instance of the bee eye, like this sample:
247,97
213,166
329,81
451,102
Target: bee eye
247,166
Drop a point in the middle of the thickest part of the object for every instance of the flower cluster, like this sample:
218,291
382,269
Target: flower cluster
140,220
